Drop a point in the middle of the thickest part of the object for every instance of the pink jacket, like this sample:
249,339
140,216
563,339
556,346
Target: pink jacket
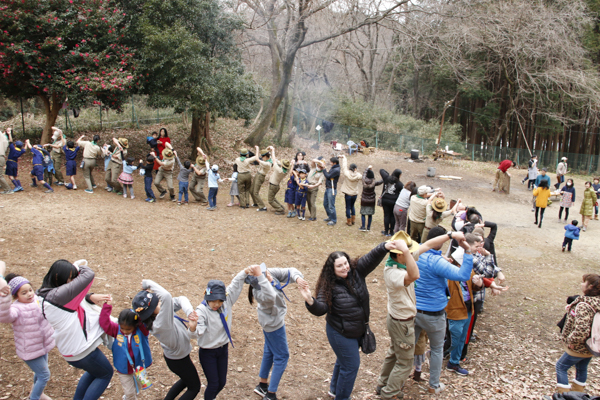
33,334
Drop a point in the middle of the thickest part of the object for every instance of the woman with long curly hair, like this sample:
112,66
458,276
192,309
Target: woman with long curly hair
342,294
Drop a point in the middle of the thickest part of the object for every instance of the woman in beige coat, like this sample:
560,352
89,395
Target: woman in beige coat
350,188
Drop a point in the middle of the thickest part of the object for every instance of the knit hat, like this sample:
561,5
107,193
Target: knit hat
285,164
144,303
439,205
124,143
244,151
16,283
215,290
411,244
423,190
167,154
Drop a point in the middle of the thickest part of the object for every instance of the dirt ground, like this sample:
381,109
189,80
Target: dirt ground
182,247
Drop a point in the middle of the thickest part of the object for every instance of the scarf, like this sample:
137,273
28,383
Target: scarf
391,263
242,158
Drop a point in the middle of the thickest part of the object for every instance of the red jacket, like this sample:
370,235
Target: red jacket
505,165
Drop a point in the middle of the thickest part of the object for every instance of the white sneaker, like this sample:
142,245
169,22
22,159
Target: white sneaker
132,197
124,196
437,390
74,187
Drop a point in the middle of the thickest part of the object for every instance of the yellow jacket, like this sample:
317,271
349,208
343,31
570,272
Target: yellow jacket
542,196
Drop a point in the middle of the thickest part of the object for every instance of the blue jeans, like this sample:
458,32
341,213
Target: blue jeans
435,326
350,200
183,190
329,204
276,355
41,376
346,364
458,330
97,376
565,362
148,187
212,196
214,365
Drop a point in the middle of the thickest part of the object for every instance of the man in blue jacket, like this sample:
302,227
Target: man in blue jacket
331,180
431,291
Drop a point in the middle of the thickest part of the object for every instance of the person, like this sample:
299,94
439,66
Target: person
567,199
278,172
417,212
571,233
561,171
343,295
244,177
532,172
15,151
213,185
148,179
130,349
152,142
350,188
264,166
430,292
234,192
70,152
331,180
183,178
271,310
576,330
300,195
300,162
587,205
165,172
290,193
542,194
315,179
32,332
126,177
107,149
391,190
37,172
172,333
596,187
436,211
48,166
66,304
91,151
59,140
115,166
542,177
402,205
4,143
367,198
210,324
161,144
198,179
502,181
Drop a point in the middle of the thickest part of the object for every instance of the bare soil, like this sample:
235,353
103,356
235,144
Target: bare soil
182,247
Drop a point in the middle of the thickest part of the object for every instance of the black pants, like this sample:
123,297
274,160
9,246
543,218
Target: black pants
389,221
188,378
477,307
531,184
566,213
214,365
539,210
567,242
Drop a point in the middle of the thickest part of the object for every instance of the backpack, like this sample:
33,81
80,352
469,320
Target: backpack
593,342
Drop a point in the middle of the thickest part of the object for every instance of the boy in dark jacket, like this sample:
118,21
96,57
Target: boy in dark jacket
571,233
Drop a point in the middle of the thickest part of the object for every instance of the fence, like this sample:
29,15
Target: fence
584,164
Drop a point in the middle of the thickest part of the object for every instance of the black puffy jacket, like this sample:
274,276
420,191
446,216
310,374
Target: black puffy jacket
349,310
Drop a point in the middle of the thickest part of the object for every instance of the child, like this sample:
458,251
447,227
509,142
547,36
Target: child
125,178
38,168
107,154
211,325
572,233
148,168
33,334
15,151
271,314
301,189
541,194
290,193
184,178
596,187
130,348
213,185
70,155
234,192
171,332
567,199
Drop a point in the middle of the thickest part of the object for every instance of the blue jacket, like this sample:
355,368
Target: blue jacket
572,232
70,154
332,175
120,351
542,178
14,152
38,156
431,289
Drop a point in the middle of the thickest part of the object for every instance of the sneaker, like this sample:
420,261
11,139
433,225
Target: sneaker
438,390
173,198
178,203
293,214
109,190
254,205
270,396
163,194
125,196
60,183
132,197
49,191
327,219
147,199
9,191
152,201
88,191
74,187
300,217
331,223
18,189
261,391
330,394
457,369
212,208
94,186
119,193
262,209
33,185
185,203
289,214
303,219
230,205
362,229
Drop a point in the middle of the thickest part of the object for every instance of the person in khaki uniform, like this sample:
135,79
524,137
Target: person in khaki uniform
264,166
244,177
315,179
165,171
3,147
115,167
278,172
91,151
197,181
59,140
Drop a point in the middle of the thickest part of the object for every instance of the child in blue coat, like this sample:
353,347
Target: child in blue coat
70,155
301,190
38,166
571,233
15,151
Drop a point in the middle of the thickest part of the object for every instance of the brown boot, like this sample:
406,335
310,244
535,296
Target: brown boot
417,376
596,217
576,387
354,217
562,390
349,221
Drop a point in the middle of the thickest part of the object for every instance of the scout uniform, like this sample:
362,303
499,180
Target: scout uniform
244,176
279,172
263,169
115,166
3,147
315,177
197,182
91,151
57,156
166,172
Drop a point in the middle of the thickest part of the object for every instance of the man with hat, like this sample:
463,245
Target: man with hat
165,171
91,151
115,167
561,171
244,177
59,140
417,212
3,147
502,181
197,181
264,166
315,179
279,171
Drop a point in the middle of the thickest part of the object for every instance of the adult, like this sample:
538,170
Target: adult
315,179
343,295
165,172
161,144
436,211
532,172
595,186
502,181
3,147
244,178
198,179
264,166
431,294
367,198
392,186
561,171
300,162
567,199
402,205
278,172
350,188
91,151
331,180
115,167
59,140
587,206
77,332
417,212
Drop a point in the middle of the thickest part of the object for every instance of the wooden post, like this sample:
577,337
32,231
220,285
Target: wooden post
22,117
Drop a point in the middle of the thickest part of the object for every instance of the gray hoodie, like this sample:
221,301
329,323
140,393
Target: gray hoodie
172,334
272,309
210,331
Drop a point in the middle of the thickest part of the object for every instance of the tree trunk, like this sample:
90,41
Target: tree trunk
283,119
200,134
52,107
261,129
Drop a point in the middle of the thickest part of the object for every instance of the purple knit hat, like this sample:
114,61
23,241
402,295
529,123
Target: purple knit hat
16,283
